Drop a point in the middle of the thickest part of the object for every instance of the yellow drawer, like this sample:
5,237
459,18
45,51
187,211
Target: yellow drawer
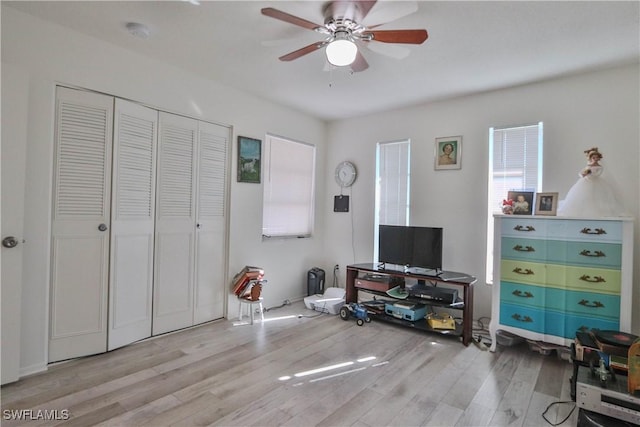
600,280
523,272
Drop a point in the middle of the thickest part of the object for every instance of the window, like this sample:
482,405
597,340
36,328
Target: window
515,163
289,188
392,186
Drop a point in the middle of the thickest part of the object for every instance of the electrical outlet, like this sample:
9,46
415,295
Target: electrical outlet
336,267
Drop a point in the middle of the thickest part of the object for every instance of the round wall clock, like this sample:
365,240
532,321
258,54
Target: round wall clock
346,174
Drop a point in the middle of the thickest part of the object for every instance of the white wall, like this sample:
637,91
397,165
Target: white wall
599,109
46,54
596,109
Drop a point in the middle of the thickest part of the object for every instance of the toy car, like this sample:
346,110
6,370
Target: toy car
356,310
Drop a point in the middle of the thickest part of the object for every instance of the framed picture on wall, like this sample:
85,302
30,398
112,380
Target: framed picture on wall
546,203
448,153
249,159
522,202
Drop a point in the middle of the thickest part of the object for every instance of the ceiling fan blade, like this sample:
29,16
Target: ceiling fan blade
302,51
387,49
291,19
386,12
360,64
398,36
365,7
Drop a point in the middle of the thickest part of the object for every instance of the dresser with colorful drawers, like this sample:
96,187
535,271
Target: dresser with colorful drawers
555,275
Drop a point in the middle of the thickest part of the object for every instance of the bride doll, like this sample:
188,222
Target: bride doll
591,195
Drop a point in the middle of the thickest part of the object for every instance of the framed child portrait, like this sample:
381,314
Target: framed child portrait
546,203
522,202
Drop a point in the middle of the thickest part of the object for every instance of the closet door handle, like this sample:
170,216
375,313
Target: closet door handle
102,227
9,242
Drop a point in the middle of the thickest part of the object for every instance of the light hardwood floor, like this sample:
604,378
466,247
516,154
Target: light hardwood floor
225,374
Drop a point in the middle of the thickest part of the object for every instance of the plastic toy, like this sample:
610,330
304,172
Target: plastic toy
356,310
604,371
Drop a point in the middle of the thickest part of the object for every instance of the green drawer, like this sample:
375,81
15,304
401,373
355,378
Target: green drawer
524,249
591,254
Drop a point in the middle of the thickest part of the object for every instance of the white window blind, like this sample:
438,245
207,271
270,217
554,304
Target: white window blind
393,183
288,203
515,163
393,175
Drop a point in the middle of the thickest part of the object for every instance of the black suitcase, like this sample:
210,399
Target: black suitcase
315,281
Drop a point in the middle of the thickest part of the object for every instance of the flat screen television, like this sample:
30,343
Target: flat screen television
411,247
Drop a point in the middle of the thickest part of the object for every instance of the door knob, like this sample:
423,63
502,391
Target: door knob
102,227
9,242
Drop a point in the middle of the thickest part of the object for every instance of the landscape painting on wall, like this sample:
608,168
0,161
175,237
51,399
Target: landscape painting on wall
249,156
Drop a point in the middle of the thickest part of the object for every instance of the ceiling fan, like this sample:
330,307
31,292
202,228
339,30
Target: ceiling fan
344,31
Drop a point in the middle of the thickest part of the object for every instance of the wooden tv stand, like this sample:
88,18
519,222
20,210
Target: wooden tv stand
358,272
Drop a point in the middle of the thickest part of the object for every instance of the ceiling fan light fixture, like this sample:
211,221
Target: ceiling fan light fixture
341,51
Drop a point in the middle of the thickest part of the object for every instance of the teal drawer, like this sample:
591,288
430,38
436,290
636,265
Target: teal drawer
551,322
582,303
521,294
573,323
592,304
594,254
586,230
524,249
522,317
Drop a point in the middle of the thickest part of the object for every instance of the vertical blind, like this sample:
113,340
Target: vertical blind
288,207
392,186
393,183
515,163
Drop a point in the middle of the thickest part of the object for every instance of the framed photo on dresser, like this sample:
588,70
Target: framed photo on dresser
522,202
546,204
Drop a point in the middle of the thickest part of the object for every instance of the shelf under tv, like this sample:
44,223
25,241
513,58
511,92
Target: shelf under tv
356,273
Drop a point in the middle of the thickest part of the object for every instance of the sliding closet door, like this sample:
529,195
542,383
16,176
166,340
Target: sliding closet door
175,224
80,224
211,223
132,223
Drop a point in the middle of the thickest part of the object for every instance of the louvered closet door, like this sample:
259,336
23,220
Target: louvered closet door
175,224
132,223
80,236
211,222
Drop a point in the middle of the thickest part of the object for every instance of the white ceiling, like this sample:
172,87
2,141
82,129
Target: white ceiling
473,46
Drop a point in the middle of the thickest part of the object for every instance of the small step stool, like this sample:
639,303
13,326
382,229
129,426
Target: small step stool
250,304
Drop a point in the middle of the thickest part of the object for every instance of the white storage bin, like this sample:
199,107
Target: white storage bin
329,302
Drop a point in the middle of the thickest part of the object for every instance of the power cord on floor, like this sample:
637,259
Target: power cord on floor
558,403
284,303
336,278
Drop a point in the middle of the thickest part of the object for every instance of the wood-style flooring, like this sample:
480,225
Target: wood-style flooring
229,374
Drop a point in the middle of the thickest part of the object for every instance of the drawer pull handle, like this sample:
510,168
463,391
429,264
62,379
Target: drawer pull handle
520,248
525,271
595,304
525,319
596,279
524,228
521,294
596,254
587,230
